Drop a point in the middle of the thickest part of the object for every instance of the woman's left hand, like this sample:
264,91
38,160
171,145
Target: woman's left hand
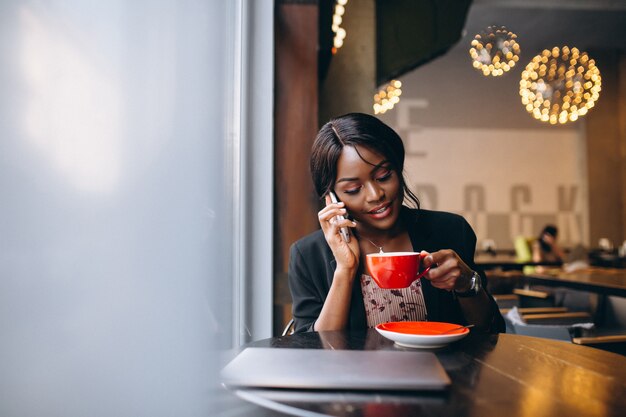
448,271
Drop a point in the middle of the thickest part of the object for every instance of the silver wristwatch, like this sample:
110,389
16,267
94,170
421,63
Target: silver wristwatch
475,286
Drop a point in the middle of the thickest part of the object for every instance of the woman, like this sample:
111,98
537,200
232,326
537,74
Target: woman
546,248
361,160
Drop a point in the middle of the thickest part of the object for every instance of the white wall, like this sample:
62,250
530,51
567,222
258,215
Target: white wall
119,200
505,182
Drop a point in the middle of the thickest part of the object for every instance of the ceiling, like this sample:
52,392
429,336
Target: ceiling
456,95
540,24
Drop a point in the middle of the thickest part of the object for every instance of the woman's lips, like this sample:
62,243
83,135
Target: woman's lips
380,212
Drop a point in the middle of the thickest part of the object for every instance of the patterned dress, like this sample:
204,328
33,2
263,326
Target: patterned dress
384,305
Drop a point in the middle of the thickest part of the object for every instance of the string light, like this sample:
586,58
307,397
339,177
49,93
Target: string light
340,33
560,85
387,97
494,51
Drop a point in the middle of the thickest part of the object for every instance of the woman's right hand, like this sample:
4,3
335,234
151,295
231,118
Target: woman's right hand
346,253
336,309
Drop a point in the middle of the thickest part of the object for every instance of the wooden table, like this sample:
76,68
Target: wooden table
492,375
606,281
506,262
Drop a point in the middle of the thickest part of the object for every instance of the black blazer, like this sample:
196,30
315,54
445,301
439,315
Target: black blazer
312,266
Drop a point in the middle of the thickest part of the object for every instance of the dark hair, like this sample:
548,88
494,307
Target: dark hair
355,129
552,231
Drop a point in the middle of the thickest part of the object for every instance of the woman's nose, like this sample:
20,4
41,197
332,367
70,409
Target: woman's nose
374,192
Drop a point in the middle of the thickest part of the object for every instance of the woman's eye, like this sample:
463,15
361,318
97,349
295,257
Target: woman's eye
352,190
384,176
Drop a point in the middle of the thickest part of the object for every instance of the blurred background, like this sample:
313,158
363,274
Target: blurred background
472,146
154,169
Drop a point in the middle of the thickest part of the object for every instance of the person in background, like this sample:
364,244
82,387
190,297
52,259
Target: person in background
546,248
361,160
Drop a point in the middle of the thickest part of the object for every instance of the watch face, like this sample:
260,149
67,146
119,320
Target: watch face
475,286
476,282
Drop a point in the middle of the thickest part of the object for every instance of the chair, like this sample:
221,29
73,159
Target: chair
543,330
561,328
502,282
523,251
529,311
534,298
610,335
506,301
615,343
566,317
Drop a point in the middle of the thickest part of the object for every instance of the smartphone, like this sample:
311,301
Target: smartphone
344,230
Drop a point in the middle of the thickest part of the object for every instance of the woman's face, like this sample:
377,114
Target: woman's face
371,190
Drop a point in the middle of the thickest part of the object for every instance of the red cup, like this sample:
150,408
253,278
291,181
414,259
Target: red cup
395,269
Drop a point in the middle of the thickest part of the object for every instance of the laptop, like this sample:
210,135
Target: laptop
335,370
